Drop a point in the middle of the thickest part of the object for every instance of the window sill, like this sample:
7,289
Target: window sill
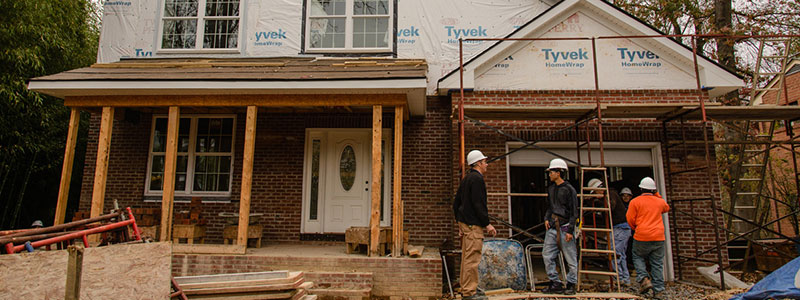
199,51
150,198
386,51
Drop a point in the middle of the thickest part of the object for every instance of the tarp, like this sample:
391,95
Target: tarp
783,283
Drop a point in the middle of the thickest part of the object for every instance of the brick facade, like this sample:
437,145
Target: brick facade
684,186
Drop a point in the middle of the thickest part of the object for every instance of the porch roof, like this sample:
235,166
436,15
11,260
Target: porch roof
633,111
244,76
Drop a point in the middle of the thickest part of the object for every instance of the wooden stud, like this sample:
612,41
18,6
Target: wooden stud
66,168
168,181
247,174
74,271
101,165
375,212
397,209
275,100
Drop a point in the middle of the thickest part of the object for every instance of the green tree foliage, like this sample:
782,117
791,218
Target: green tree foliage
38,37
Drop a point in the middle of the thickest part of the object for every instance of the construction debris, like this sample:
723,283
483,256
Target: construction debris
711,274
256,285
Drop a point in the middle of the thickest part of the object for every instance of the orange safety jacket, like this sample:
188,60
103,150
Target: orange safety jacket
644,217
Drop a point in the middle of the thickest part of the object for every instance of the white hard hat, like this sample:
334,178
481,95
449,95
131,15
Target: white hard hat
595,183
626,191
37,223
648,184
475,156
557,163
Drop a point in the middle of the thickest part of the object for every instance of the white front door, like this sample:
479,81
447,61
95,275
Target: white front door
347,181
337,180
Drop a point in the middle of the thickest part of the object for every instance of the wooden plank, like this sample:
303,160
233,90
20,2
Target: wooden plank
251,296
245,289
168,183
499,291
66,168
101,164
397,209
275,100
247,174
208,249
560,296
74,272
133,271
375,189
239,279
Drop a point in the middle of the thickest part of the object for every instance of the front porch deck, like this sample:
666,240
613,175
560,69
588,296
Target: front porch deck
330,268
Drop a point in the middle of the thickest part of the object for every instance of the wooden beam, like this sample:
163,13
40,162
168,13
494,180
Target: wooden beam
66,167
277,100
101,164
397,208
375,189
74,272
168,181
247,174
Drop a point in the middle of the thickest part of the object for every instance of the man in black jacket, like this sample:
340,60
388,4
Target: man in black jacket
472,215
560,221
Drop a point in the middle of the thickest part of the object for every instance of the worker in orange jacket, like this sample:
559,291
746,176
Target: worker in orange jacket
645,218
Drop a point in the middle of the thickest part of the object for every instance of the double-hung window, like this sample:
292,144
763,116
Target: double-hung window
349,25
200,24
204,160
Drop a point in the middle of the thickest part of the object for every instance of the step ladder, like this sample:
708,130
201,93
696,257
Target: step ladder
594,249
748,200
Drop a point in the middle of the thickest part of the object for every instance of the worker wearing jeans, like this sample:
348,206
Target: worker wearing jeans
622,231
472,215
559,221
645,218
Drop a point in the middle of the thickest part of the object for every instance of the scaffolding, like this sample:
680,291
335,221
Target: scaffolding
704,117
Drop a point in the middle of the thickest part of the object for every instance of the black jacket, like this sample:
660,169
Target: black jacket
618,207
562,200
469,206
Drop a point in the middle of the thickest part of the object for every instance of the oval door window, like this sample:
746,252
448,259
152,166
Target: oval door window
347,167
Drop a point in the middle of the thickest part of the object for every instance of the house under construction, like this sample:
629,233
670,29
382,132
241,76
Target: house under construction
293,123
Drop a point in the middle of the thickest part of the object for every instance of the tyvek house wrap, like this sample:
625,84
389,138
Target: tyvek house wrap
425,29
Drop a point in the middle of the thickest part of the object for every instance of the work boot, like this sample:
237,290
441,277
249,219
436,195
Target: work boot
476,296
645,286
554,288
657,295
570,290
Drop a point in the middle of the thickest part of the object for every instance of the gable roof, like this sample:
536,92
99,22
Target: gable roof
638,26
793,67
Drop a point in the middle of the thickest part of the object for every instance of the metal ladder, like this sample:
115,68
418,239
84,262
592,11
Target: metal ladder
748,199
608,229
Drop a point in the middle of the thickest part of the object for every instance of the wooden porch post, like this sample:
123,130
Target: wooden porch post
66,168
397,218
247,174
168,185
375,189
101,165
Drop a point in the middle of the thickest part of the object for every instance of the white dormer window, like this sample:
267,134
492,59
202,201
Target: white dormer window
200,24
349,25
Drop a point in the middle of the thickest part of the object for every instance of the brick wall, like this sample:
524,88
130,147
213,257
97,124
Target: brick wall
688,185
419,278
278,167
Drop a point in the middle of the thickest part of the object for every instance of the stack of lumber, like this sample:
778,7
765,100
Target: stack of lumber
247,286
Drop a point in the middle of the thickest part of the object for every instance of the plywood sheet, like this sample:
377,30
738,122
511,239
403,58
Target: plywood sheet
136,271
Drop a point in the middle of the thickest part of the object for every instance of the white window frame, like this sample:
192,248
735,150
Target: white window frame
189,191
201,24
348,34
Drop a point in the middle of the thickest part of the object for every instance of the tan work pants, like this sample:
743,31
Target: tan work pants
471,246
